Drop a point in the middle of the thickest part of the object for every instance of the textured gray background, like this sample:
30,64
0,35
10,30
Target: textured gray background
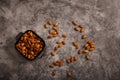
102,23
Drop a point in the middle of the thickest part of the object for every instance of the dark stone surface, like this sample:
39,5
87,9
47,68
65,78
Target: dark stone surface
102,23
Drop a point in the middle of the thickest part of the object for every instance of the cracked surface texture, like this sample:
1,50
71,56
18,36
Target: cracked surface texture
101,19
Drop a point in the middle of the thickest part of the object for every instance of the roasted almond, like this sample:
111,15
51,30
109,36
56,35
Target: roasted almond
59,42
50,31
59,45
84,36
87,57
56,24
46,25
75,58
49,37
86,51
77,28
82,30
54,73
79,51
81,26
92,46
51,66
75,22
69,74
90,41
56,48
49,22
53,53
87,47
91,49
64,35
63,42
68,61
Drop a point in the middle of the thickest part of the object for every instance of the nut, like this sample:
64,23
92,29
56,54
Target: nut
84,36
49,37
87,57
77,29
53,53
81,26
69,74
75,22
59,45
54,73
77,46
50,31
51,66
86,51
79,51
63,42
50,22
56,48
75,58
87,47
64,35
90,41
68,61
46,25
56,24
91,49
82,30
72,59
59,42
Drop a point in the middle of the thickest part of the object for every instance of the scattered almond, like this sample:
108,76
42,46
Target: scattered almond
49,37
77,29
81,26
68,61
75,58
56,24
84,36
59,45
69,74
64,35
79,51
82,30
90,41
91,49
46,25
86,51
51,66
50,31
50,22
75,22
63,42
54,73
77,46
87,47
59,42
56,48
92,46
72,59
87,57
53,53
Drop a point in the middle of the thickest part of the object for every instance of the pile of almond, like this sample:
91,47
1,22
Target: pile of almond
29,45
88,46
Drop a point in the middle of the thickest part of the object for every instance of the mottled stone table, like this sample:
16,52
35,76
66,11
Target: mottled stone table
102,23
